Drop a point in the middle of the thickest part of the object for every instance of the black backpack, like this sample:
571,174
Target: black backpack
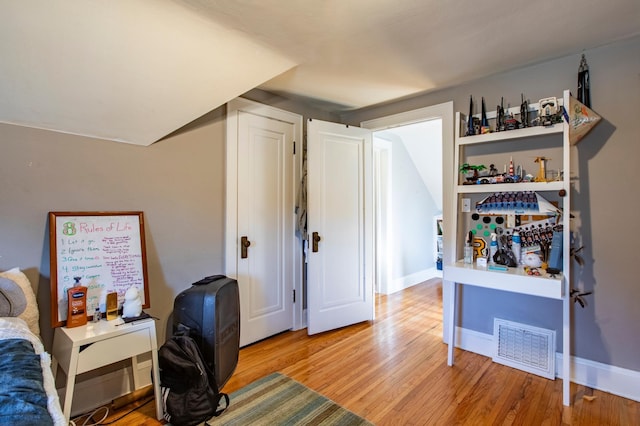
189,392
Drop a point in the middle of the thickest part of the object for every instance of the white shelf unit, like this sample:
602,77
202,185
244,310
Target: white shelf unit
438,241
457,273
513,280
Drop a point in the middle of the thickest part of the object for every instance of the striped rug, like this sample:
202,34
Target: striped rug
279,400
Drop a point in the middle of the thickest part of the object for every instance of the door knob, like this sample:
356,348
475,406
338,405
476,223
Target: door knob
315,238
244,245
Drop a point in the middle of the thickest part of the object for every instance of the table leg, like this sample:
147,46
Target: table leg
71,382
136,372
54,368
156,383
451,321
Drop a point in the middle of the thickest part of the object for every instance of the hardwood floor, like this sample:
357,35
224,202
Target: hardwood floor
394,372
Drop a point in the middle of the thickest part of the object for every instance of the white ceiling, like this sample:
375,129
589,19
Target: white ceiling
136,70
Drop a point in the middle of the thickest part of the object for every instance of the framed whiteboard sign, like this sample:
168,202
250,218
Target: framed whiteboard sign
104,250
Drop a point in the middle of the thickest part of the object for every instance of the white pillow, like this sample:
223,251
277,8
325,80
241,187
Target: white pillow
12,299
31,314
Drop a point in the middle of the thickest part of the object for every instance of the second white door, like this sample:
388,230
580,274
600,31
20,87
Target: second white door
340,226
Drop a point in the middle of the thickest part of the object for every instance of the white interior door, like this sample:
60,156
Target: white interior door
263,238
339,216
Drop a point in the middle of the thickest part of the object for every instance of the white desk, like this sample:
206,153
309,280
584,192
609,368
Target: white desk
85,348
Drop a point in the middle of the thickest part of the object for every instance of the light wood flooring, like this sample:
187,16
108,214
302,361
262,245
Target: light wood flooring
394,371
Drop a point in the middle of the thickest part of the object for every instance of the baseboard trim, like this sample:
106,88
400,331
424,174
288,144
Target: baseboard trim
604,377
607,378
407,281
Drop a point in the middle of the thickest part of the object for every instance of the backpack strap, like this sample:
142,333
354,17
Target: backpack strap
213,384
226,405
221,410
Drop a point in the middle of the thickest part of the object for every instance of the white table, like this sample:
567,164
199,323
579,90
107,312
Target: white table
80,349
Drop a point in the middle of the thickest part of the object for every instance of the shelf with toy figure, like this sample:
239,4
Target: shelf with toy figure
537,163
508,187
530,144
517,147
526,132
513,279
524,121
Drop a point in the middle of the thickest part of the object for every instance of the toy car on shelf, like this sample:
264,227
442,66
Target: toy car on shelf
502,178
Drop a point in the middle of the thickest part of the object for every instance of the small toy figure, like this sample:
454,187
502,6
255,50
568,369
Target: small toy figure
532,260
504,255
549,113
532,271
470,123
542,171
510,123
500,124
484,122
132,306
524,111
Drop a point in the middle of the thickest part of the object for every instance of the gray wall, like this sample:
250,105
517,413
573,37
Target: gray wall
178,183
605,200
413,209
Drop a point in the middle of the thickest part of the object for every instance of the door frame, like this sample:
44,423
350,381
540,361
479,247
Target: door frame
234,107
383,238
443,111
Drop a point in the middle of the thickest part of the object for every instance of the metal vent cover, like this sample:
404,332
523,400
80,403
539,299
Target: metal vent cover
525,347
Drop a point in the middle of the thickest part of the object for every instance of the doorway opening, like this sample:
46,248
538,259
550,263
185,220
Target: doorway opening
408,204
435,160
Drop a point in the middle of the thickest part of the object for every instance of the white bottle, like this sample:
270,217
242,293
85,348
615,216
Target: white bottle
516,246
102,303
493,247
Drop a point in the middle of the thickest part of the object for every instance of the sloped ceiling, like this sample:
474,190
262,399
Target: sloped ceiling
124,70
136,70
423,142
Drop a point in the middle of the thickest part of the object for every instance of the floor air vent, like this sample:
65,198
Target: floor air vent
525,347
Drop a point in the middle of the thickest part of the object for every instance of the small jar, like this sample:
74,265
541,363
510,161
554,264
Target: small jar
468,254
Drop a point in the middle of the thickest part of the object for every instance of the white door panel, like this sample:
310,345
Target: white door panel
340,272
265,218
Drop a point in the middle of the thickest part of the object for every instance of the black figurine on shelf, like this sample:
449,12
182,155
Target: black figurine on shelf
484,122
470,124
500,118
524,112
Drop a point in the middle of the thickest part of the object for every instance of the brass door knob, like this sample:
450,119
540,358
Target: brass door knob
244,246
315,238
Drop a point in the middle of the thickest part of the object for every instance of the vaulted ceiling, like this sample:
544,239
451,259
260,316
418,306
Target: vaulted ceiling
136,70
